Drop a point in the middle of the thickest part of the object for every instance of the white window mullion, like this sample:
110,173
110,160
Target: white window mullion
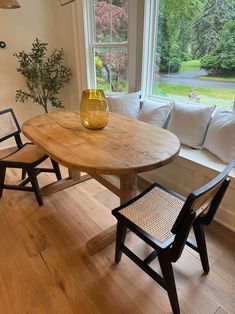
111,45
132,38
150,20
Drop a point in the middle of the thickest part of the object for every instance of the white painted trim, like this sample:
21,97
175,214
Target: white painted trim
132,40
110,45
80,52
89,38
130,44
150,20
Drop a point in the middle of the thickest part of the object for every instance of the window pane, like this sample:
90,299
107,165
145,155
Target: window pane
191,38
111,20
111,69
119,20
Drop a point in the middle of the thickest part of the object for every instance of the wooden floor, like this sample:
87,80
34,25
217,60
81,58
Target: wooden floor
45,268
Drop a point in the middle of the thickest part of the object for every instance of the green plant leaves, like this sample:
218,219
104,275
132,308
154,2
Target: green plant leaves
44,75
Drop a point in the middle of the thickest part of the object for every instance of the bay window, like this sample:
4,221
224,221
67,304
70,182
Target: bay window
181,51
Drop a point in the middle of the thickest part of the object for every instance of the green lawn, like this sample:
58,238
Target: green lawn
106,87
191,65
216,78
183,90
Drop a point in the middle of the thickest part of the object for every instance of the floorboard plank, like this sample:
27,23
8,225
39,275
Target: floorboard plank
45,267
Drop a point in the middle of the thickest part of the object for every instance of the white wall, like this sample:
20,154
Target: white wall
65,35
48,21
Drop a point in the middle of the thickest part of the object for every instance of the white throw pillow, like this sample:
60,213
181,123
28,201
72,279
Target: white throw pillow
155,113
189,123
220,137
127,104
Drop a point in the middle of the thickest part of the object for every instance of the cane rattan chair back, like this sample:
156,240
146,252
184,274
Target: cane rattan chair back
9,126
26,157
203,199
163,219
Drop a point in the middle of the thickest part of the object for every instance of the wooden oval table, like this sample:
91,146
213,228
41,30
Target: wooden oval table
124,148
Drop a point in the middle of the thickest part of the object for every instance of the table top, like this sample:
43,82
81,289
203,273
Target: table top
124,146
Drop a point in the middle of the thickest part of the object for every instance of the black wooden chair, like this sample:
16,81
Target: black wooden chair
27,157
163,219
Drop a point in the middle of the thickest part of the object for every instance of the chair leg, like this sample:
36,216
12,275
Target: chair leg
35,186
120,238
2,179
23,174
168,275
57,169
201,244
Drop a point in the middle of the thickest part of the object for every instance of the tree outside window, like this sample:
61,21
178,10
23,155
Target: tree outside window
195,49
110,53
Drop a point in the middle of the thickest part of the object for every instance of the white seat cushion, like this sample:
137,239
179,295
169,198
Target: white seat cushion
155,113
189,123
127,104
220,137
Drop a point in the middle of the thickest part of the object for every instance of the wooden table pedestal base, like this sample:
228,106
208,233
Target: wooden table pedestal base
127,190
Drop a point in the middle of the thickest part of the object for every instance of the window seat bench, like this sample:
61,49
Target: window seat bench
195,125
191,169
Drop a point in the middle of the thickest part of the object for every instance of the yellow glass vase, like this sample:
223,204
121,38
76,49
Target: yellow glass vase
94,112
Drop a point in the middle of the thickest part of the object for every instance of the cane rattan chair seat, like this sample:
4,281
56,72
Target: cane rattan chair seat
155,213
27,154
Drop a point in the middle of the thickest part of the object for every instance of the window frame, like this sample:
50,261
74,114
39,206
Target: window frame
151,10
130,44
149,43
149,40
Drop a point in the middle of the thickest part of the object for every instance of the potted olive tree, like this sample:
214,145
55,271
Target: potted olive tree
44,75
